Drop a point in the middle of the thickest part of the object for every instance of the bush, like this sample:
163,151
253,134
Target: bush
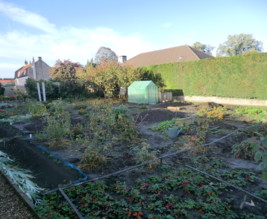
2,89
72,88
52,90
237,76
36,109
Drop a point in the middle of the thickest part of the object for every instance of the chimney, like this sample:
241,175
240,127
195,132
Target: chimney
122,59
39,58
26,63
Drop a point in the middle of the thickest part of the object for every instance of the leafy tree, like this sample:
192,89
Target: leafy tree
238,45
146,74
66,74
203,47
65,70
110,76
105,54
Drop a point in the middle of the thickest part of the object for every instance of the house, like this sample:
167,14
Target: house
170,55
37,70
6,81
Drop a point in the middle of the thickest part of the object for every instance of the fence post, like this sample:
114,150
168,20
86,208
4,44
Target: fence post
44,93
39,92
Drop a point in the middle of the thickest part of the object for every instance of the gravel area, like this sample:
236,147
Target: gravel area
11,206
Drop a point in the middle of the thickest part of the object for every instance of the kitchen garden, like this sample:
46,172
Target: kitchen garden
215,166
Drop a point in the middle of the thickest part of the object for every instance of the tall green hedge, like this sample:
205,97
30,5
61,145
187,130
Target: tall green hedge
238,76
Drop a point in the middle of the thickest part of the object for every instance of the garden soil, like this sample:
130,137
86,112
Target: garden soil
48,172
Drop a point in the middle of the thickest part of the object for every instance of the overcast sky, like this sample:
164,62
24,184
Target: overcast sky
75,30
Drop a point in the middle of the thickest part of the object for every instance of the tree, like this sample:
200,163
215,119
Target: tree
110,76
203,47
146,74
105,54
238,45
65,70
66,74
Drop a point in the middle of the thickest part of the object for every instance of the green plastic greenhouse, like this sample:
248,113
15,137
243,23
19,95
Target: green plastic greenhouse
143,92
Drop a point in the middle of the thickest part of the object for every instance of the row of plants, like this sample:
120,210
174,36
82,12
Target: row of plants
259,114
173,192
253,147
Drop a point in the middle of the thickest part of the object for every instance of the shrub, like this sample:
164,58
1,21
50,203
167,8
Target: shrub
58,127
245,149
163,126
143,154
36,108
2,90
237,76
214,113
52,90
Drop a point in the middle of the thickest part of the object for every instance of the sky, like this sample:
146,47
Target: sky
75,30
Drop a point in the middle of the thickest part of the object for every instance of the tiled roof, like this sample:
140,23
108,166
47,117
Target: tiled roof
23,71
175,54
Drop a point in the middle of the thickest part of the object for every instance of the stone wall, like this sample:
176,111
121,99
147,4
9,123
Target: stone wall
223,100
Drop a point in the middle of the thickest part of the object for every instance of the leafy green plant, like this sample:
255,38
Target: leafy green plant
246,148
92,158
261,156
143,154
254,113
162,127
36,108
124,123
58,123
214,113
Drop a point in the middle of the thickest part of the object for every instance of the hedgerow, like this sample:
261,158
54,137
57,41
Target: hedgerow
238,76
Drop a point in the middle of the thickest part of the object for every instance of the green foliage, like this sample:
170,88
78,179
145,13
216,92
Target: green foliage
261,156
237,76
65,74
214,113
65,70
255,113
162,127
107,124
58,122
239,44
2,90
151,75
124,123
253,148
36,108
203,47
51,89
171,193
144,153
109,76
246,148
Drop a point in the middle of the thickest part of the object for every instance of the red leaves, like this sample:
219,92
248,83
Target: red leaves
185,184
169,205
201,211
136,214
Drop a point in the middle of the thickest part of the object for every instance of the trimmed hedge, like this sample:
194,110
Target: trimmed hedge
238,76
